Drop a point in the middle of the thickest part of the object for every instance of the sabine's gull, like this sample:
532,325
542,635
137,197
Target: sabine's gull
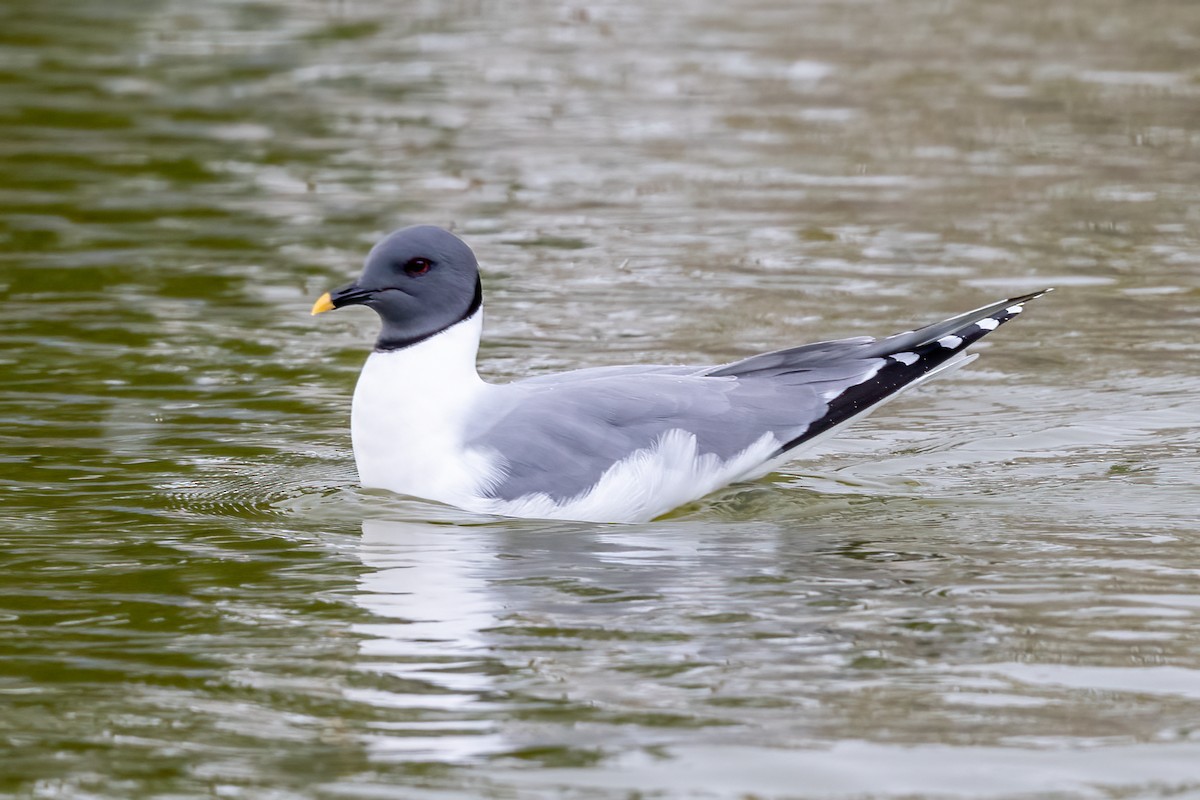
605,444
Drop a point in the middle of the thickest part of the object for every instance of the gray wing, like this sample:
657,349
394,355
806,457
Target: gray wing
559,437
592,373
558,434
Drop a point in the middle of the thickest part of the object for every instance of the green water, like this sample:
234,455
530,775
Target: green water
988,589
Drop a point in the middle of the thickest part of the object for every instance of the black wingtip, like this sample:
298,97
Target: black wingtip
910,357
1025,298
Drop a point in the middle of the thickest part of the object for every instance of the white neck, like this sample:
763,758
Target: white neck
410,414
446,357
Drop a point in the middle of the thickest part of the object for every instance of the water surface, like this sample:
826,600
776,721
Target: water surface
988,589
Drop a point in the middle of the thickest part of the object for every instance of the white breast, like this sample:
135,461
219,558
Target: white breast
409,414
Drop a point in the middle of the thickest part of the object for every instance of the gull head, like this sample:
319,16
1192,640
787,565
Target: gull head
420,280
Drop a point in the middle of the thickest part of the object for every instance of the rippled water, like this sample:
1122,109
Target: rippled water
986,590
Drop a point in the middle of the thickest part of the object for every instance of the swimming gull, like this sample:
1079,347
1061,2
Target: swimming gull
606,444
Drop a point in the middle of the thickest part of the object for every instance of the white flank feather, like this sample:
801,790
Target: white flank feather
646,484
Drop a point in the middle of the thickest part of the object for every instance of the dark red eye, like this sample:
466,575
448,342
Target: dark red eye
417,266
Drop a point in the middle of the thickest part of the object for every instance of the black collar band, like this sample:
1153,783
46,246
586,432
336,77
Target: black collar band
386,345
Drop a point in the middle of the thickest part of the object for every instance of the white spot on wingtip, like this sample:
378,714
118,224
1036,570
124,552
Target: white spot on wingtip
1014,309
988,324
906,358
950,342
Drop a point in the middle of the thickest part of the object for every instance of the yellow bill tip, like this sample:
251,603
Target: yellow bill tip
323,304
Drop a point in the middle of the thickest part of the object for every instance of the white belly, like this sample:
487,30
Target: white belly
407,423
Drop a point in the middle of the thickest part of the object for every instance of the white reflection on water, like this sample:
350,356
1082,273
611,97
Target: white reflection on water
478,623
427,584
857,769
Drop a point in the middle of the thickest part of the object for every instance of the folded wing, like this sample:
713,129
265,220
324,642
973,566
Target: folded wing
559,434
